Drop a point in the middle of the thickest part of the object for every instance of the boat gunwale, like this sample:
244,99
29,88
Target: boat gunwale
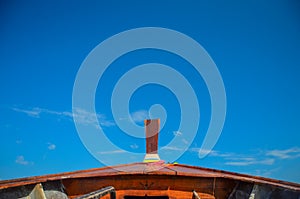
171,171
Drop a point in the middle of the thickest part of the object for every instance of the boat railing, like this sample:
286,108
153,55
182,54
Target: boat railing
100,193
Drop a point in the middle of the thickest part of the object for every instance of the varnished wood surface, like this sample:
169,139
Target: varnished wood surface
140,179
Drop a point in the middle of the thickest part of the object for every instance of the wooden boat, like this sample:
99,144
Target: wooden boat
149,179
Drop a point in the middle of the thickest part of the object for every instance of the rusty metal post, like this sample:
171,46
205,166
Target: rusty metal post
152,130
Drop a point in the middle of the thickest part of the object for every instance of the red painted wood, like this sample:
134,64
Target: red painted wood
152,129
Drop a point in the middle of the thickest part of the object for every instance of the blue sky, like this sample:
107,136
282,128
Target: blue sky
255,45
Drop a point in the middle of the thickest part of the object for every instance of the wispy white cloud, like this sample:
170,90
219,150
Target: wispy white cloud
139,116
19,141
290,153
234,159
134,146
88,118
250,161
111,152
172,148
51,146
212,153
177,133
185,141
265,172
35,112
80,115
264,157
220,154
21,160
